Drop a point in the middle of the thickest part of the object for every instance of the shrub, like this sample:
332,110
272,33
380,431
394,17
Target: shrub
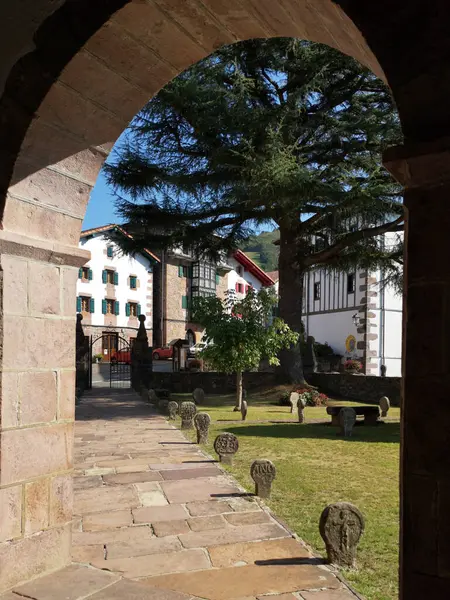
311,397
323,350
352,365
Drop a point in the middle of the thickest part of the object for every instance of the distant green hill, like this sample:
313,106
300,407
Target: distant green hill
261,250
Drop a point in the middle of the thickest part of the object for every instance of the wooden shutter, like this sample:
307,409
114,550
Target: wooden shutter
246,289
217,278
138,310
116,308
236,287
78,304
91,305
80,273
184,302
180,270
109,251
90,274
104,278
127,309
104,306
116,278
191,272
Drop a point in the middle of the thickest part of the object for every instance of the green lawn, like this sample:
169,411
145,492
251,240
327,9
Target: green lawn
315,467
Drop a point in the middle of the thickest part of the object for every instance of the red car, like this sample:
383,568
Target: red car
163,353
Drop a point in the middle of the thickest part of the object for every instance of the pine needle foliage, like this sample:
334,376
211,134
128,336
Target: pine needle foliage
281,133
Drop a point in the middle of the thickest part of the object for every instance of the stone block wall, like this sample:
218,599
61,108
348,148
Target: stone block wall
211,382
364,388
176,317
37,414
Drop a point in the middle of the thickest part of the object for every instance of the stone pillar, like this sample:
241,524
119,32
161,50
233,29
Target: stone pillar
37,331
424,170
141,359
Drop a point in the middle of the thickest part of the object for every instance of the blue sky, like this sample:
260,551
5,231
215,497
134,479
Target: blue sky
100,210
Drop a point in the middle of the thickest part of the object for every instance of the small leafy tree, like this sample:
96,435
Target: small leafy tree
240,333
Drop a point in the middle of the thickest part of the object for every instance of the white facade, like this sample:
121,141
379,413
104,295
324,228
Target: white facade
330,301
127,293
330,313
240,276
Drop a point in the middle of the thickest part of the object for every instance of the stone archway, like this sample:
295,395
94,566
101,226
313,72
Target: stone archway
72,76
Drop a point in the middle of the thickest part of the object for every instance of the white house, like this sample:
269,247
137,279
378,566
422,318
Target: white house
245,273
113,289
356,314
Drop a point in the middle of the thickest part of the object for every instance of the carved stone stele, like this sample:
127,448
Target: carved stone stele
172,407
202,422
341,526
187,414
263,473
347,420
226,445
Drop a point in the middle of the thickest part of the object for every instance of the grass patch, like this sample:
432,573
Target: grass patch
316,467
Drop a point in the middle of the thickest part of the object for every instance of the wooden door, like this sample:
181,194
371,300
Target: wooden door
109,345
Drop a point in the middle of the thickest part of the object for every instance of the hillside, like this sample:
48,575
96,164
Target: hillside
261,250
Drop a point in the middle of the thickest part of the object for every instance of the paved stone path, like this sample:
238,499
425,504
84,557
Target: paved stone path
157,519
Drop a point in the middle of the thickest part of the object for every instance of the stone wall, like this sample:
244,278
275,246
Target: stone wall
211,382
366,388
176,316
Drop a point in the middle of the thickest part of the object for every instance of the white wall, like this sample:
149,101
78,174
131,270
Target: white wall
333,328
388,320
124,266
246,278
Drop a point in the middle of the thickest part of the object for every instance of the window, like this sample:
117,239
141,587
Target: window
240,271
85,273
109,252
110,307
132,309
351,283
317,291
111,277
239,288
184,271
133,282
204,279
85,304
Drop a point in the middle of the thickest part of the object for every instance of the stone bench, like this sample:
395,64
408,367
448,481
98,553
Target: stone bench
370,413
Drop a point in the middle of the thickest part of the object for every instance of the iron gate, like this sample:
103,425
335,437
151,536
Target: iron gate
117,372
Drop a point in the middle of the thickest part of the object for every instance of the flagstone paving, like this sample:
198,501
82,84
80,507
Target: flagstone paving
155,518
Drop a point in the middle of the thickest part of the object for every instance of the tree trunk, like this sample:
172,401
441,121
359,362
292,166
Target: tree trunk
238,391
291,300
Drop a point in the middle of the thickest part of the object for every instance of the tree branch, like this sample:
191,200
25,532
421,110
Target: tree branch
352,238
